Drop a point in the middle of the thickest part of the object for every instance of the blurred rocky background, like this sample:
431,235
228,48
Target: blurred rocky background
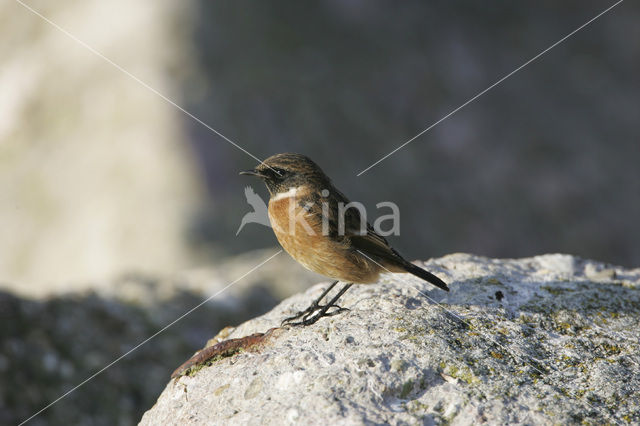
100,178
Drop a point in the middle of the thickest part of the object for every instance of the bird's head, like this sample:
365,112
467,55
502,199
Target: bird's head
281,172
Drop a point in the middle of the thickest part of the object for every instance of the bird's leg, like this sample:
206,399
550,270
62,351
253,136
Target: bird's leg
316,311
314,306
311,319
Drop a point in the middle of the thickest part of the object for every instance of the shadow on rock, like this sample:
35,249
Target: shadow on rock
48,347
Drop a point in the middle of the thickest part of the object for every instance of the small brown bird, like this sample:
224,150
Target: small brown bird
304,210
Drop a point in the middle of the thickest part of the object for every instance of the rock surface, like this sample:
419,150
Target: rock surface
548,339
50,345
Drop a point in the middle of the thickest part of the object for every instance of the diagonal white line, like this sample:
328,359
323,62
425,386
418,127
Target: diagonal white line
138,80
146,340
489,338
492,86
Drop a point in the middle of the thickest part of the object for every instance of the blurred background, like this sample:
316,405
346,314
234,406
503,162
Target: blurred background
119,212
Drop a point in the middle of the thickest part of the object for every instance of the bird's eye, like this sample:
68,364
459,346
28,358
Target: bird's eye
280,173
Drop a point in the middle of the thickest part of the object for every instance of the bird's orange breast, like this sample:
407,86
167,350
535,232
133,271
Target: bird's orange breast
299,231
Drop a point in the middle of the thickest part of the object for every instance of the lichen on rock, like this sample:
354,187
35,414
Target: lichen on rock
560,345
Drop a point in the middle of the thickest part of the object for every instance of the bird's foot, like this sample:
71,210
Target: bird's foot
312,314
316,311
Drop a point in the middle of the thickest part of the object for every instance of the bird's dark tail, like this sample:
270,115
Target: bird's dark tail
425,275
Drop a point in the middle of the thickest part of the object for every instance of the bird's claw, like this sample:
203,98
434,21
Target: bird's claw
312,314
316,311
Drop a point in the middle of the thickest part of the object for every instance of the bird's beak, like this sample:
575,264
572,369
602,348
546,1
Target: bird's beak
252,173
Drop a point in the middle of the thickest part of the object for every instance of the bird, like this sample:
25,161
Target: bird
305,215
259,213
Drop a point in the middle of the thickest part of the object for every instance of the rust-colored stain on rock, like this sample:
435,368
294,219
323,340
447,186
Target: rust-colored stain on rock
224,349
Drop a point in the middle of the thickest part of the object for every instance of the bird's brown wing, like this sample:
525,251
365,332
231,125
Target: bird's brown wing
367,240
376,246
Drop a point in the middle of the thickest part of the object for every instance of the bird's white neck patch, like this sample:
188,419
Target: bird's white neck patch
290,193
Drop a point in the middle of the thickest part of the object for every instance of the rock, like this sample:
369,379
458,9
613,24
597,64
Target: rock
50,345
558,347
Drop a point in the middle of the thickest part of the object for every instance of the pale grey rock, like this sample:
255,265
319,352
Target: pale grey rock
527,341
